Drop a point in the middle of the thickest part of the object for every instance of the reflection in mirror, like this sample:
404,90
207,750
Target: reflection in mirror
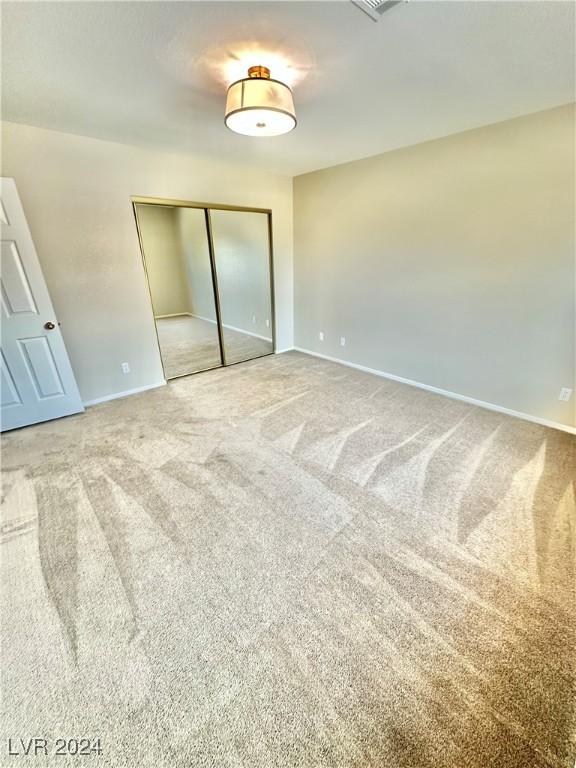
242,258
175,247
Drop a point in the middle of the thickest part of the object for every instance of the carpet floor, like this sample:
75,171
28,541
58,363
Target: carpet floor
190,344
290,564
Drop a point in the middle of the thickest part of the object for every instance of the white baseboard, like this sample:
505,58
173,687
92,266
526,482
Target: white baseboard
281,351
116,395
176,314
233,328
246,333
206,319
445,392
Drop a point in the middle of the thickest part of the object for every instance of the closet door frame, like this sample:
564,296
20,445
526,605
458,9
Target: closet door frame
214,273
206,207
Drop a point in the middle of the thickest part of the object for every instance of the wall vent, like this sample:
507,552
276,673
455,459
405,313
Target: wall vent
375,8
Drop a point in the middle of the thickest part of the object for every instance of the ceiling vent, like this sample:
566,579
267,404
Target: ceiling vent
376,8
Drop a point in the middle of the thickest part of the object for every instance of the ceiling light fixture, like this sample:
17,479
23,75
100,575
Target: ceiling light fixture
260,106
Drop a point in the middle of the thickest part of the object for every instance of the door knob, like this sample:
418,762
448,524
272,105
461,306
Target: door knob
49,325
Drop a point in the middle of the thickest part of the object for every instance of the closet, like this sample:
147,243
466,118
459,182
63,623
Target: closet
210,274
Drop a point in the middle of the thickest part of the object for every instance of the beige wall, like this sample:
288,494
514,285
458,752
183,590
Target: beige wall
241,255
76,194
160,233
197,268
241,251
449,263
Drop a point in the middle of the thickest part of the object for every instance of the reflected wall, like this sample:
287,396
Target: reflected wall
242,259
209,272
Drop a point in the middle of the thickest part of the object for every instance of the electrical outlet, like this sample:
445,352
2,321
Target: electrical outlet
565,394
342,341
267,323
321,335
125,367
254,319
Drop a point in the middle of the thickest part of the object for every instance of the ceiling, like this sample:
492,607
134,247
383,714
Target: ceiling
154,73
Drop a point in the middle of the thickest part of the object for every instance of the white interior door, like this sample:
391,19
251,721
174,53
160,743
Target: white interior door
37,382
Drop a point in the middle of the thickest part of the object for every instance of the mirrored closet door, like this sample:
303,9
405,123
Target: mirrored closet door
209,272
242,257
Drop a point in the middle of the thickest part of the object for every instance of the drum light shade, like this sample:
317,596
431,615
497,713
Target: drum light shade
260,106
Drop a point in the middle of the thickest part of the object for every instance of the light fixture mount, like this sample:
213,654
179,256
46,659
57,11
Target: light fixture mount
259,71
258,105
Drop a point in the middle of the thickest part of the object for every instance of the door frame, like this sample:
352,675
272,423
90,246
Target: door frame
207,207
